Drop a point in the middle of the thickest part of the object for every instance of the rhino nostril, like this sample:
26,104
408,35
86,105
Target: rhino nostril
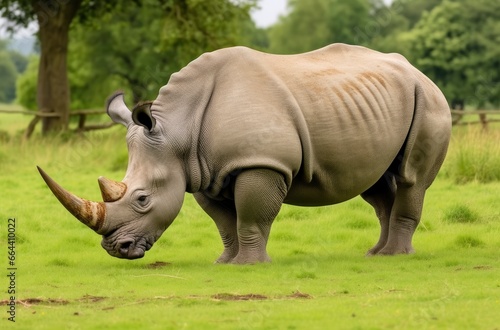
124,247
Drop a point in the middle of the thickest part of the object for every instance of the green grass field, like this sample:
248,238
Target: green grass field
319,277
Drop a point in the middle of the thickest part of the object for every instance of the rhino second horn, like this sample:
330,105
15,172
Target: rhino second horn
111,191
91,214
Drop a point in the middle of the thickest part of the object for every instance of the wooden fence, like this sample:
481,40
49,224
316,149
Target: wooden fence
485,117
81,114
457,118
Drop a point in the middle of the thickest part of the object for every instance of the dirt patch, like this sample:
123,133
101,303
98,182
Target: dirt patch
89,298
94,299
299,295
255,296
51,301
37,301
157,264
238,297
480,267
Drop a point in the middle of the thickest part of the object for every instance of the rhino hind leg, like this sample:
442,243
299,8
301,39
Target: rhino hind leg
405,217
224,215
258,194
422,156
381,197
399,209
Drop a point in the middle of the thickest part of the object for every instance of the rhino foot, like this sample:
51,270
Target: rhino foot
374,250
225,258
389,250
242,259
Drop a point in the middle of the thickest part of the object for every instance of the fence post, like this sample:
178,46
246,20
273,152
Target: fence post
484,121
81,123
31,127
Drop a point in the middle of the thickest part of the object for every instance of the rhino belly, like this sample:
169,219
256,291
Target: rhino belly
334,187
341,171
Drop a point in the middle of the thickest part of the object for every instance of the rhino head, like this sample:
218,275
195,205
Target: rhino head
136,211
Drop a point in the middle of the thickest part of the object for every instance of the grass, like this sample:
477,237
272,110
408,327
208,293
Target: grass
461,213
475,155
319,277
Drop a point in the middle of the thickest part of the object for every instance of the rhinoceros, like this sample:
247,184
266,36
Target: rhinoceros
246,131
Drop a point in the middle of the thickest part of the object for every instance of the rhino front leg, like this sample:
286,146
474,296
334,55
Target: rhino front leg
259,195
224,215
381,196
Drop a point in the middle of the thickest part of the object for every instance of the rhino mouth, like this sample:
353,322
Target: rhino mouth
126,247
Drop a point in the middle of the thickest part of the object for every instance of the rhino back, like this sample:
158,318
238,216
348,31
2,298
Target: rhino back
331,121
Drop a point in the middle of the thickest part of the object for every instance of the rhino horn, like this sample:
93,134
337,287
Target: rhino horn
111,191
91,214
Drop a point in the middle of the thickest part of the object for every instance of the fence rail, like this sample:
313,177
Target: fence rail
457,118
484,117
81,114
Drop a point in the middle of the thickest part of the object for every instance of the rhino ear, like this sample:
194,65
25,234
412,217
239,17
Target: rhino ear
117,109
141,115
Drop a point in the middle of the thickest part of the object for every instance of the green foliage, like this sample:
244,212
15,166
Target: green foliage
384,29
138,46
26,85
457,45
192,27
23,12
12,64
8,76
20,61
91,67
413,10
54,19
312,24
387,29
119,51
373,23
17,13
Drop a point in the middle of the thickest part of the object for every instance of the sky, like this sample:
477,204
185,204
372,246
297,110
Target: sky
269,12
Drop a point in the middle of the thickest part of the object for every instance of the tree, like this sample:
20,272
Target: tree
54,19
26,84
413,10
8,76
12,63
457,45
140,46
193,27
193,20
20,61
312,24
387,24
123,46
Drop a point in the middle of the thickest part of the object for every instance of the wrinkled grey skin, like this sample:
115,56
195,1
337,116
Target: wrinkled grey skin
246,131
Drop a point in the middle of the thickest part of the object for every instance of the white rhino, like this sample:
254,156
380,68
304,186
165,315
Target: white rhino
246,131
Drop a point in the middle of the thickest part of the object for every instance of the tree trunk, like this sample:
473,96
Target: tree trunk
53,95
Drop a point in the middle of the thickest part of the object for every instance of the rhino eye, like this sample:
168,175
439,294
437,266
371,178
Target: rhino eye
143,200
